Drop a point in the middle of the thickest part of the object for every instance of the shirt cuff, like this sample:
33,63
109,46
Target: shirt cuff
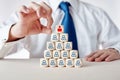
4,35
6,47
117,47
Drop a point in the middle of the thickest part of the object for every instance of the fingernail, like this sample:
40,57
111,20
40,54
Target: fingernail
28,10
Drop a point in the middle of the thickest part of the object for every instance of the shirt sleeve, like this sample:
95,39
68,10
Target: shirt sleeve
110,33
7,47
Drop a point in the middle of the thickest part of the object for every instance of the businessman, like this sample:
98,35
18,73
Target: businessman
92,26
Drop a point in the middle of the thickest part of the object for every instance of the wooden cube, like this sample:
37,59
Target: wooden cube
68,45
63,37
59,46
78,63
47,54
73,54
61,63
56,54
50,45
55,37
52,63
64,54
59,29
69,63
43,62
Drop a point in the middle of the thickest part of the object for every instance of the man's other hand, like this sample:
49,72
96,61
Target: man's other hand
103,55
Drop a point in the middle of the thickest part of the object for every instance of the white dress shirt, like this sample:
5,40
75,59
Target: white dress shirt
93,28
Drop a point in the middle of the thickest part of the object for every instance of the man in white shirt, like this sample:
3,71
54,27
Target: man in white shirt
93,28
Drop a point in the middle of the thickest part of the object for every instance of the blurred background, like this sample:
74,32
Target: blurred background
7,7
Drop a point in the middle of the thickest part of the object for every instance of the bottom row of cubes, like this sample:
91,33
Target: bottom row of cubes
60,62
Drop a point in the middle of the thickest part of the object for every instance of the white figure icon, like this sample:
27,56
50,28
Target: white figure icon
54,37
59,46
50,46
48,54
52,63
44,62
77,63
61,62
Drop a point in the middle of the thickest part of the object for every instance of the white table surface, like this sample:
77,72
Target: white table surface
29,69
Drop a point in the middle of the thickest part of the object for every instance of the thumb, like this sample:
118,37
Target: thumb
46,30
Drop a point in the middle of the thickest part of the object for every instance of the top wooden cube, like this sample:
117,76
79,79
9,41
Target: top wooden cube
59,29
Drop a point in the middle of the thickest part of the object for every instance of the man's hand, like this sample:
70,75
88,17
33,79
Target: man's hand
29,22
103,55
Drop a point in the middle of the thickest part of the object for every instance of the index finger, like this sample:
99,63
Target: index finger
50,21
48,14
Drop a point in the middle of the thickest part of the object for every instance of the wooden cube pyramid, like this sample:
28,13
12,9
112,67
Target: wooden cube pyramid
59,51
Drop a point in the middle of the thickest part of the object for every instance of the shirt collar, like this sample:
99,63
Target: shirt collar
55,4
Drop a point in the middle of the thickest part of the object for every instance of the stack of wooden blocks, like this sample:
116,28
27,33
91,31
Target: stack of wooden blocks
59,51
